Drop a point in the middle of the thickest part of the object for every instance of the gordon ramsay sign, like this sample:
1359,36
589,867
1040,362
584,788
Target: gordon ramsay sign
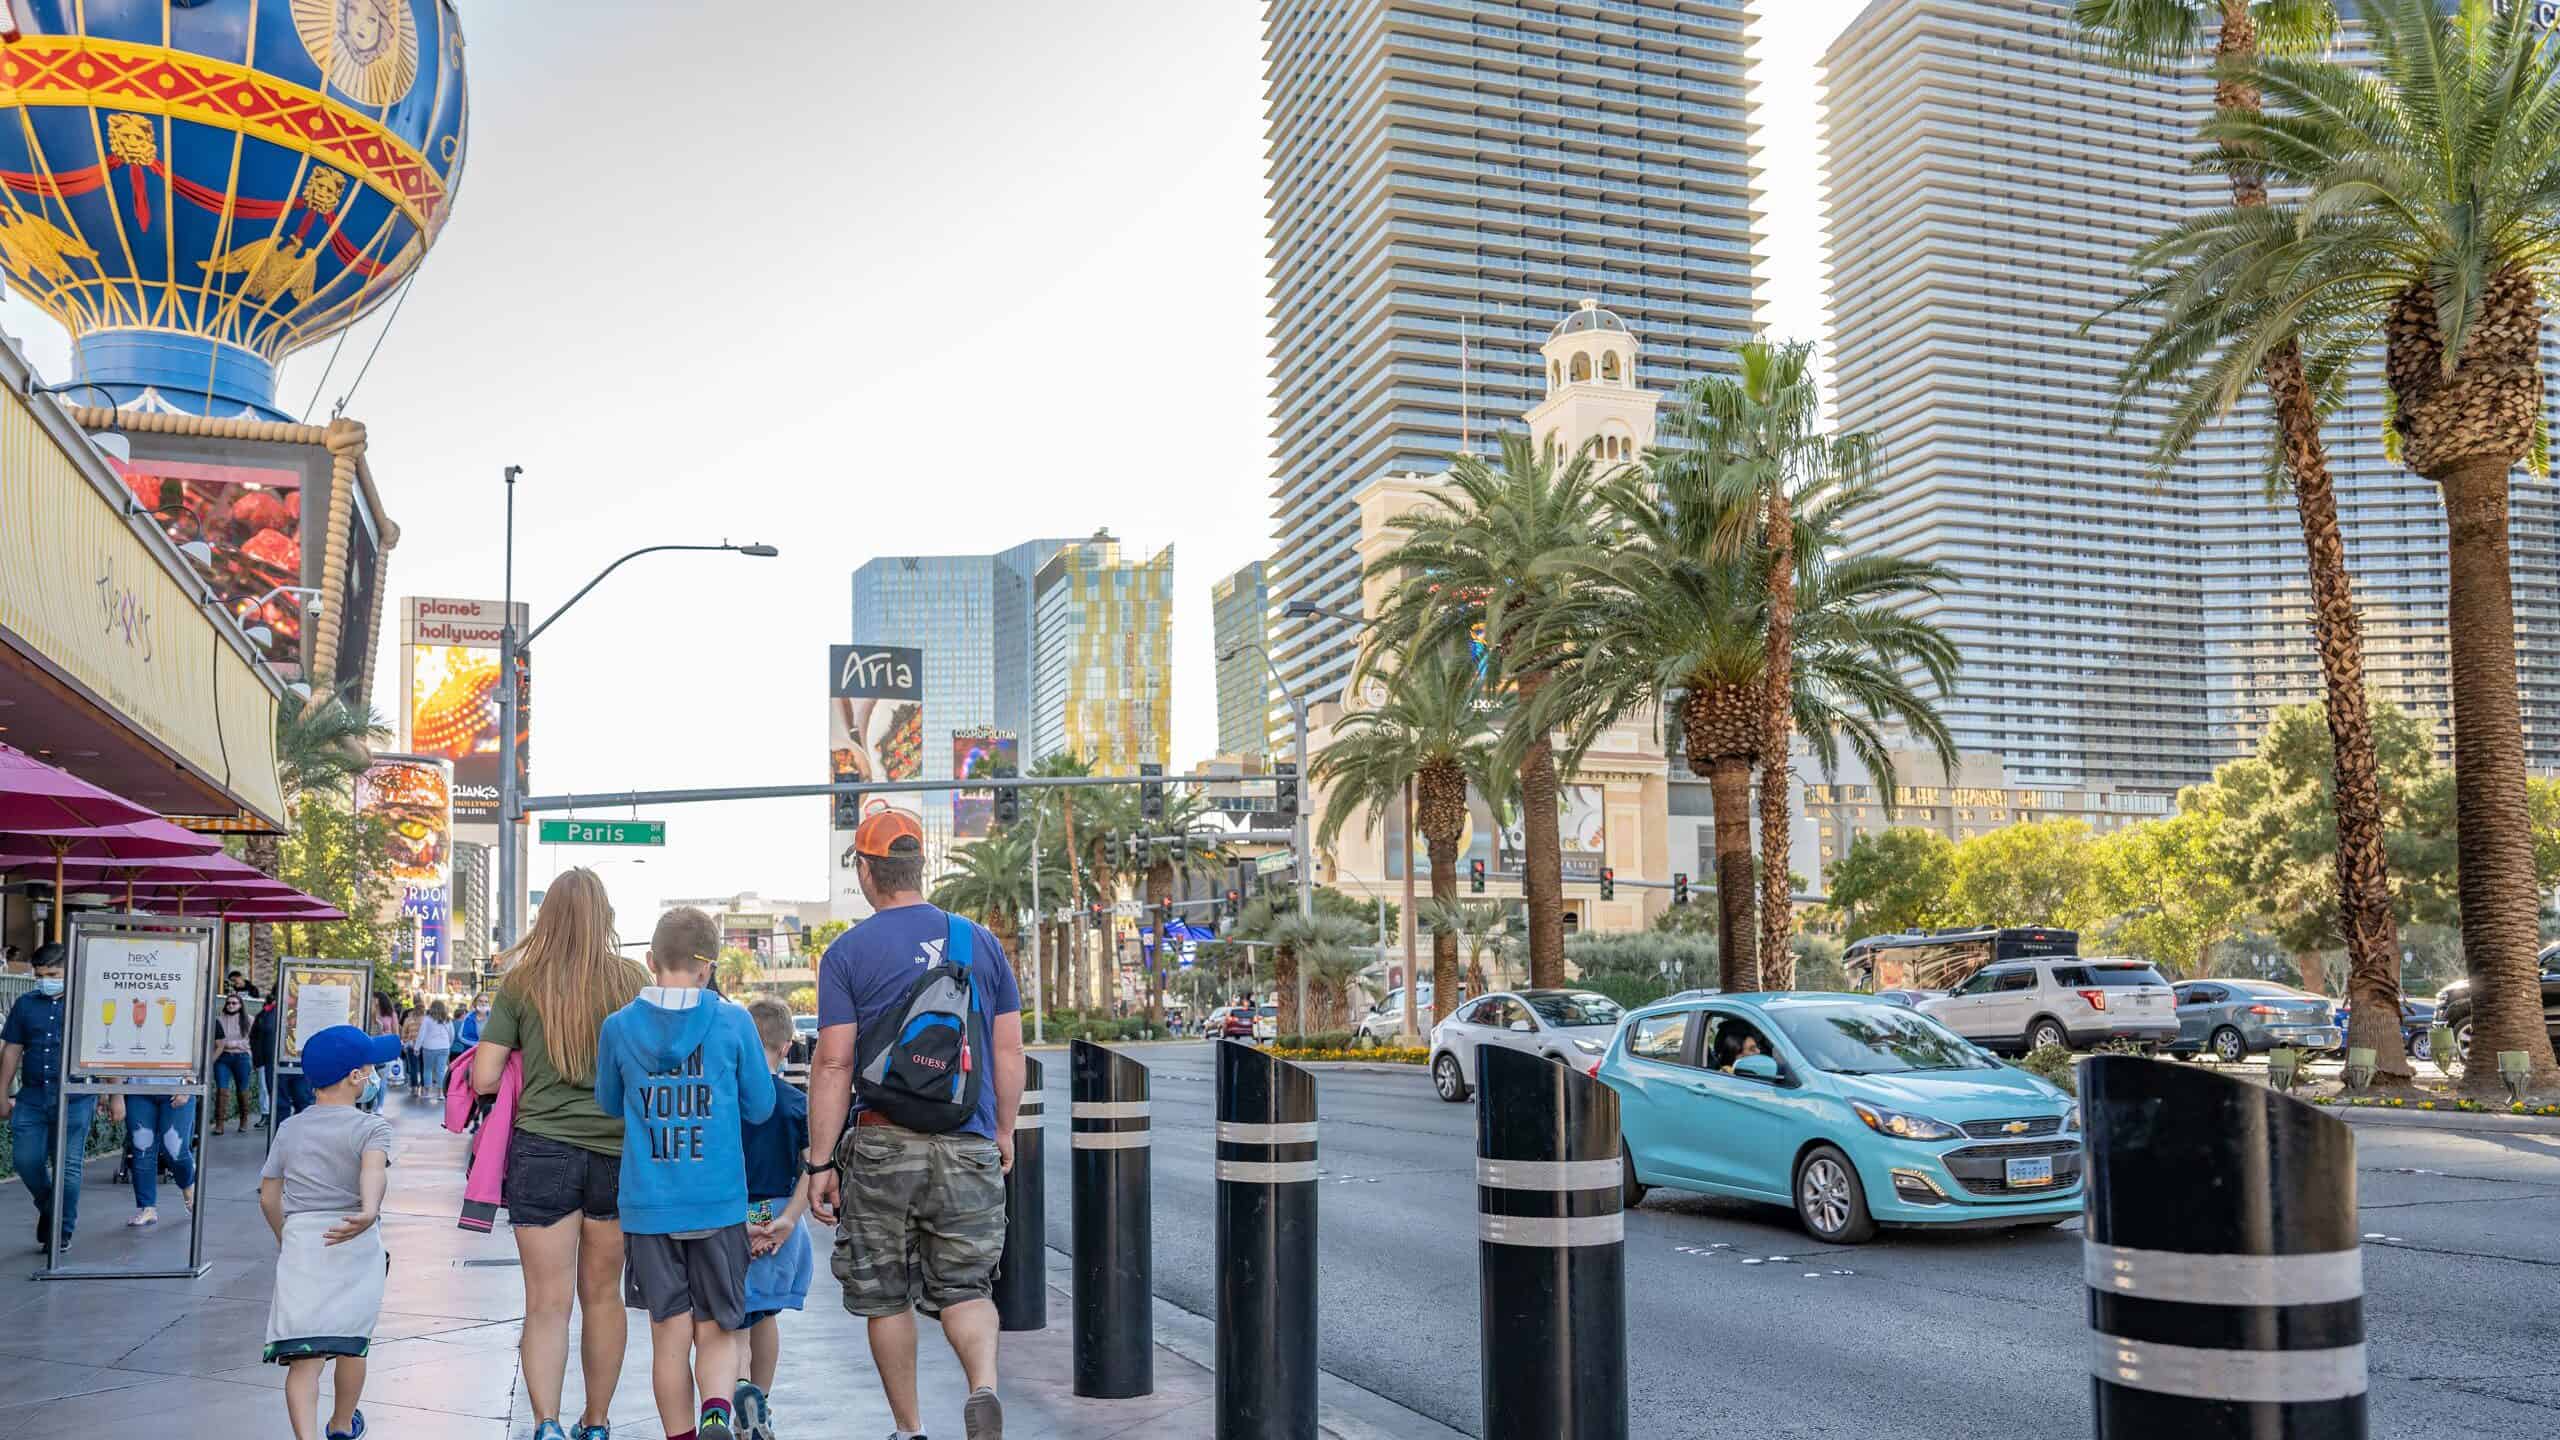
875,731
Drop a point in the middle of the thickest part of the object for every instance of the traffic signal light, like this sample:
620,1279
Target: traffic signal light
1164,916
1679,888
1235,904
1475,877
1101,913
1285,787
1608,883
1008,807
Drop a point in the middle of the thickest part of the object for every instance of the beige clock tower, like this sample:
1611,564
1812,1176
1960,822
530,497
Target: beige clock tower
1591,390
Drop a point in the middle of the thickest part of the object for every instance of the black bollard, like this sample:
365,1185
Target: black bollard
1114,1236
1266,1247
1022,1276
1552,1251
2225,1270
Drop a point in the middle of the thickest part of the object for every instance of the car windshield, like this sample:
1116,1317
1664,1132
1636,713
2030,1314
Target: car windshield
1872,1039
1270,1010
2122,974
1581,1007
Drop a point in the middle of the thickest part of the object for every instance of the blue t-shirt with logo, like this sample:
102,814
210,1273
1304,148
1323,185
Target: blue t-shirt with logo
866,974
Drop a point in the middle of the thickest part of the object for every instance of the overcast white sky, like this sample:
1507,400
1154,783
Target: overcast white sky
854,279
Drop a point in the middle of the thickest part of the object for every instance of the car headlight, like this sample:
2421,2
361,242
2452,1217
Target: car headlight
1902,1126
1588,1047
2071,1121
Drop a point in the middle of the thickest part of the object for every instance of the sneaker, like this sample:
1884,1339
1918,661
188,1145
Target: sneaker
983,1416
594,1432
754,1412
350,1434
715,1426
550,1430
143,1217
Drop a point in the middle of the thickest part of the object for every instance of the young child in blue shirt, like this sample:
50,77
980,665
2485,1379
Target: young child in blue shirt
782,1263
684,1070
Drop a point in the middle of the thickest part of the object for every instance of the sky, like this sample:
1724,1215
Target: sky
851,279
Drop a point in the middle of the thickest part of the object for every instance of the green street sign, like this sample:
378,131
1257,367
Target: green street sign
604,832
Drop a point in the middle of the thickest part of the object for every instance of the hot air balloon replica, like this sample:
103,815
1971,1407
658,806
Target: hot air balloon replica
196,189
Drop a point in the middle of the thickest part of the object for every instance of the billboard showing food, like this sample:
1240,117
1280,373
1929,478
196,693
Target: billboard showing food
245,523
977,753
451,706
875,732
412,795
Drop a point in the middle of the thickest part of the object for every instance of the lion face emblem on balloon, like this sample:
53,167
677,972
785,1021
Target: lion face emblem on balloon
367,48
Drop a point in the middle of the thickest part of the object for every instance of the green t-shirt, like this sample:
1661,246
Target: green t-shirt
549,1106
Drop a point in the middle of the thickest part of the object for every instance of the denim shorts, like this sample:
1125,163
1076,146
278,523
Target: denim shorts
549,1180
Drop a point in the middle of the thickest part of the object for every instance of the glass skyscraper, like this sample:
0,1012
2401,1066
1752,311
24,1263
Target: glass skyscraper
1102,664
1240,619
1446,178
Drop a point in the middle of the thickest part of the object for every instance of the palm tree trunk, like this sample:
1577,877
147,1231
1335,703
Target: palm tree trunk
1777,897
1542,860
1444,940
1104,981
1738,969
267,853
2365,922
1284,990
2500,934
1075,892
1159,892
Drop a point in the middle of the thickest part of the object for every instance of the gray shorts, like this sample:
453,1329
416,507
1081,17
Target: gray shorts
672,1278
923,1220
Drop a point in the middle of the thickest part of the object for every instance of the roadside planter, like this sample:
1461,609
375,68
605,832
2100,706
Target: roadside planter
2284,1067
2440,1048
2359,1067
2513,1072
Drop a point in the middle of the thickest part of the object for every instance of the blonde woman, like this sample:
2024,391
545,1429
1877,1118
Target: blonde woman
563,1165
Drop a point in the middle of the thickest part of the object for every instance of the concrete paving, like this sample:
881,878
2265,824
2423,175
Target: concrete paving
182,1356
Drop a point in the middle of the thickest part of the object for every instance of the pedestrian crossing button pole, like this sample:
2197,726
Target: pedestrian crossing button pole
1551,1251
1266,1345
1022,1276
2225,1269
1114,1267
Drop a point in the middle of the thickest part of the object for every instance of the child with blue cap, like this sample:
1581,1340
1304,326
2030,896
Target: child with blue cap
322,1194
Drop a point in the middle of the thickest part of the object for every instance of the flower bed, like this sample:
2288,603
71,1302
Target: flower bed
1382,1055
2467,1107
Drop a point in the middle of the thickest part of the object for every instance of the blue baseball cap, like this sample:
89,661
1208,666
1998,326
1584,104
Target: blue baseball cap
342,1050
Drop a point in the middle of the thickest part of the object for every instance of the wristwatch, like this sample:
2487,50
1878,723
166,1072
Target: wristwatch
812,1167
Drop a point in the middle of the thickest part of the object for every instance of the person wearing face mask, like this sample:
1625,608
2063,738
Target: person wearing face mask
31,1057
232,1072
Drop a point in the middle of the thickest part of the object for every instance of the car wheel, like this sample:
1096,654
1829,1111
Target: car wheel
2422,1046
1829,1200
2228,1047
2462,1043
1447,1079
1630,1191
2047,1032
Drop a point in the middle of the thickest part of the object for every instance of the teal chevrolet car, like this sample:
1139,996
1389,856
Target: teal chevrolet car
1856,1112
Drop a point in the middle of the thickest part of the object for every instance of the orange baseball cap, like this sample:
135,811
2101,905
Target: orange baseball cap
883,829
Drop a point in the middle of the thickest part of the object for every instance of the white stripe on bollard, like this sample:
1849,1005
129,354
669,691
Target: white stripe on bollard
1109,1110
1244,1134
1110,1140
2321,1278
2276,1376
1267,1172
1551,1233
1548,1174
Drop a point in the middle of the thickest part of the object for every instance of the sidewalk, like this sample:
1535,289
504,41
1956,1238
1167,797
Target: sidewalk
106,1356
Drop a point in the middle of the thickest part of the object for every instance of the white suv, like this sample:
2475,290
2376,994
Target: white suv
2064,1000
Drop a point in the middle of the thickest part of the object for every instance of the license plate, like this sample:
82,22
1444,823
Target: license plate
2026,1174
2313,1037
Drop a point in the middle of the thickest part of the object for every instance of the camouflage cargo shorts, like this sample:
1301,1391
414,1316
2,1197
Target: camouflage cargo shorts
923,1221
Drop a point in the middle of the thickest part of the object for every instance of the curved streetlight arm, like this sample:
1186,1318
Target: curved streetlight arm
530,636
1297,707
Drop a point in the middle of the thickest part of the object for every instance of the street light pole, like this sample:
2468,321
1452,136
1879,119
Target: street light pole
1308,609
511,648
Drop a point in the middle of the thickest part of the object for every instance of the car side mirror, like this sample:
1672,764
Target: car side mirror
1756,1067
1520,1025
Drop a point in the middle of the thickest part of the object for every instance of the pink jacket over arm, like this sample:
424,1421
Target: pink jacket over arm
483,1192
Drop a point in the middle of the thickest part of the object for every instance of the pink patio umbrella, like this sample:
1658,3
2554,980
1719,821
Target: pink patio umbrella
37,796
189,873
150,838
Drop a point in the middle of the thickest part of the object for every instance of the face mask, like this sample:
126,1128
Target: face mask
49,985
371,1095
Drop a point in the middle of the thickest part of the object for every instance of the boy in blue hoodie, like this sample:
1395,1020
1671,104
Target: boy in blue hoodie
685,1071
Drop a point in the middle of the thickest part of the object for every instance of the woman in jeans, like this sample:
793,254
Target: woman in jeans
412,1020
157,1125
562,1190
435,1047
231,1070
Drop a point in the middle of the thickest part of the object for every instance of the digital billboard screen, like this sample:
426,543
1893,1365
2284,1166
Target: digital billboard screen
412,795
248,519
451,709
976,753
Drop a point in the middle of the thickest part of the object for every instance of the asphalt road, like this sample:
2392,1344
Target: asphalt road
1963,1334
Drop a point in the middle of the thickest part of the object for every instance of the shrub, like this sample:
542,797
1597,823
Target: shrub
2054,1063
1317,1040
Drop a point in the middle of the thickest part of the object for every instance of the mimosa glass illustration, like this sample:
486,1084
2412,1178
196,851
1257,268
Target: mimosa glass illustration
107,1012
168,1025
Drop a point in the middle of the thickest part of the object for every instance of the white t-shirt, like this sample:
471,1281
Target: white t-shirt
434,1034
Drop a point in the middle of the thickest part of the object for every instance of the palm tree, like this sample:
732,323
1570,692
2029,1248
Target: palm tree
1060,804
322,744
2161,34
1434,732
736,970
2430,215
1323,947
1180,848
1482,925
990,880
1742,447
1672,609
1495,548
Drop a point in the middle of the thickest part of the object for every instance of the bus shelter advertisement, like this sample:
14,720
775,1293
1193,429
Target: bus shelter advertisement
875,732
412,795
